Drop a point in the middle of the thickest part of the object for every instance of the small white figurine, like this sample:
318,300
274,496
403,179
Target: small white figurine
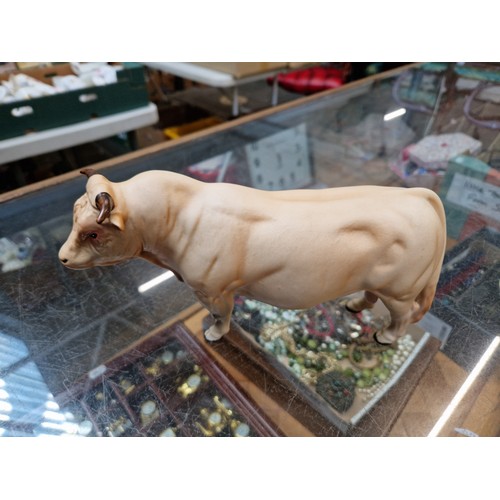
291,249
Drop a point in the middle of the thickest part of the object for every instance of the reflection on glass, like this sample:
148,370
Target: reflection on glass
27,408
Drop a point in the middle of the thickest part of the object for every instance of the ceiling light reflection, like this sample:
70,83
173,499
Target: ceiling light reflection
53,416
465,387
5,407
155,281
64,427
394,114
52,405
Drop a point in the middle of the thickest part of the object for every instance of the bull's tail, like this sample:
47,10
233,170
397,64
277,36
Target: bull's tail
423,302
424,299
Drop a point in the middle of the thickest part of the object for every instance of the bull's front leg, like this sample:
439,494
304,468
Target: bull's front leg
357,304
221,308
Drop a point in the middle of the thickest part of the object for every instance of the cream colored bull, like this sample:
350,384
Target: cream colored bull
292,249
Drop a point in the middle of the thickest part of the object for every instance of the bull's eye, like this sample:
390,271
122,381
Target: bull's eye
86,236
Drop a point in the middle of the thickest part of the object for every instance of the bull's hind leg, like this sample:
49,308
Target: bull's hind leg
220,308
401,315
357,304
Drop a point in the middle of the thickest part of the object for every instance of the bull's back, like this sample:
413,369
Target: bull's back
289,223
346,244
315,243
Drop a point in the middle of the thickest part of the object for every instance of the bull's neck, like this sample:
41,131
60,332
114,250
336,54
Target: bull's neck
155,203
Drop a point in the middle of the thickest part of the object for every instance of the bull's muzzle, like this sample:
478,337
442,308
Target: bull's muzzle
63,255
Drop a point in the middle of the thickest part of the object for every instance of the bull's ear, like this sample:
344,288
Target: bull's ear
107,210
117,220
101,194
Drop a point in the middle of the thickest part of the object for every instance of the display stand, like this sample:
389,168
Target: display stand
298,399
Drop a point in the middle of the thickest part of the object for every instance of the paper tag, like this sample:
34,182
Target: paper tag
436,327
21,111
87,97
475,195
97,371
280,161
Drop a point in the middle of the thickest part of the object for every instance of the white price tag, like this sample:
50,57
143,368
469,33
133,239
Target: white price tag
436,327
475,195
97,372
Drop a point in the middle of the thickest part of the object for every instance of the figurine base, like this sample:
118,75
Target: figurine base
317,366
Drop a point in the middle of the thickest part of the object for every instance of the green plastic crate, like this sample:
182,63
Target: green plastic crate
129,92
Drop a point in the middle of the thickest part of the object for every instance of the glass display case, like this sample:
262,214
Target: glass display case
61,331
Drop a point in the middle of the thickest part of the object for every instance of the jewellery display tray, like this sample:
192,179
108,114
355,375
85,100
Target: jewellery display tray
366,416
166,385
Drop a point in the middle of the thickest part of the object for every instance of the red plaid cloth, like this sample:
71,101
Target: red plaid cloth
311,80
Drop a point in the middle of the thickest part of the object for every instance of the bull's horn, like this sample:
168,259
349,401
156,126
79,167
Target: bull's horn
105,204
89,172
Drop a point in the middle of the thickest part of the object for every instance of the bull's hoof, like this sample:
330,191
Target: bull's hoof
349,309
213,334
382,339
347,304
371,338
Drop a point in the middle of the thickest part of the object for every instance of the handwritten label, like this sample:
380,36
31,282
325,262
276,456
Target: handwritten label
475,195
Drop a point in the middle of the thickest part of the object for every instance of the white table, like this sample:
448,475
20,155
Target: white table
54,139
219,79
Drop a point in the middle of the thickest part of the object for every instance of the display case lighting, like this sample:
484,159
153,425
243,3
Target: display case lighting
155,281
465,387
394,114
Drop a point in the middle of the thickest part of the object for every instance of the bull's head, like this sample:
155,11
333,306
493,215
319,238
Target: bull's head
99,236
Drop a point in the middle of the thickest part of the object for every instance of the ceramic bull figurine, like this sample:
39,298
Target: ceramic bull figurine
291,249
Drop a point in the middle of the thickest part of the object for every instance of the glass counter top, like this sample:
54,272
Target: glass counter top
432,125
